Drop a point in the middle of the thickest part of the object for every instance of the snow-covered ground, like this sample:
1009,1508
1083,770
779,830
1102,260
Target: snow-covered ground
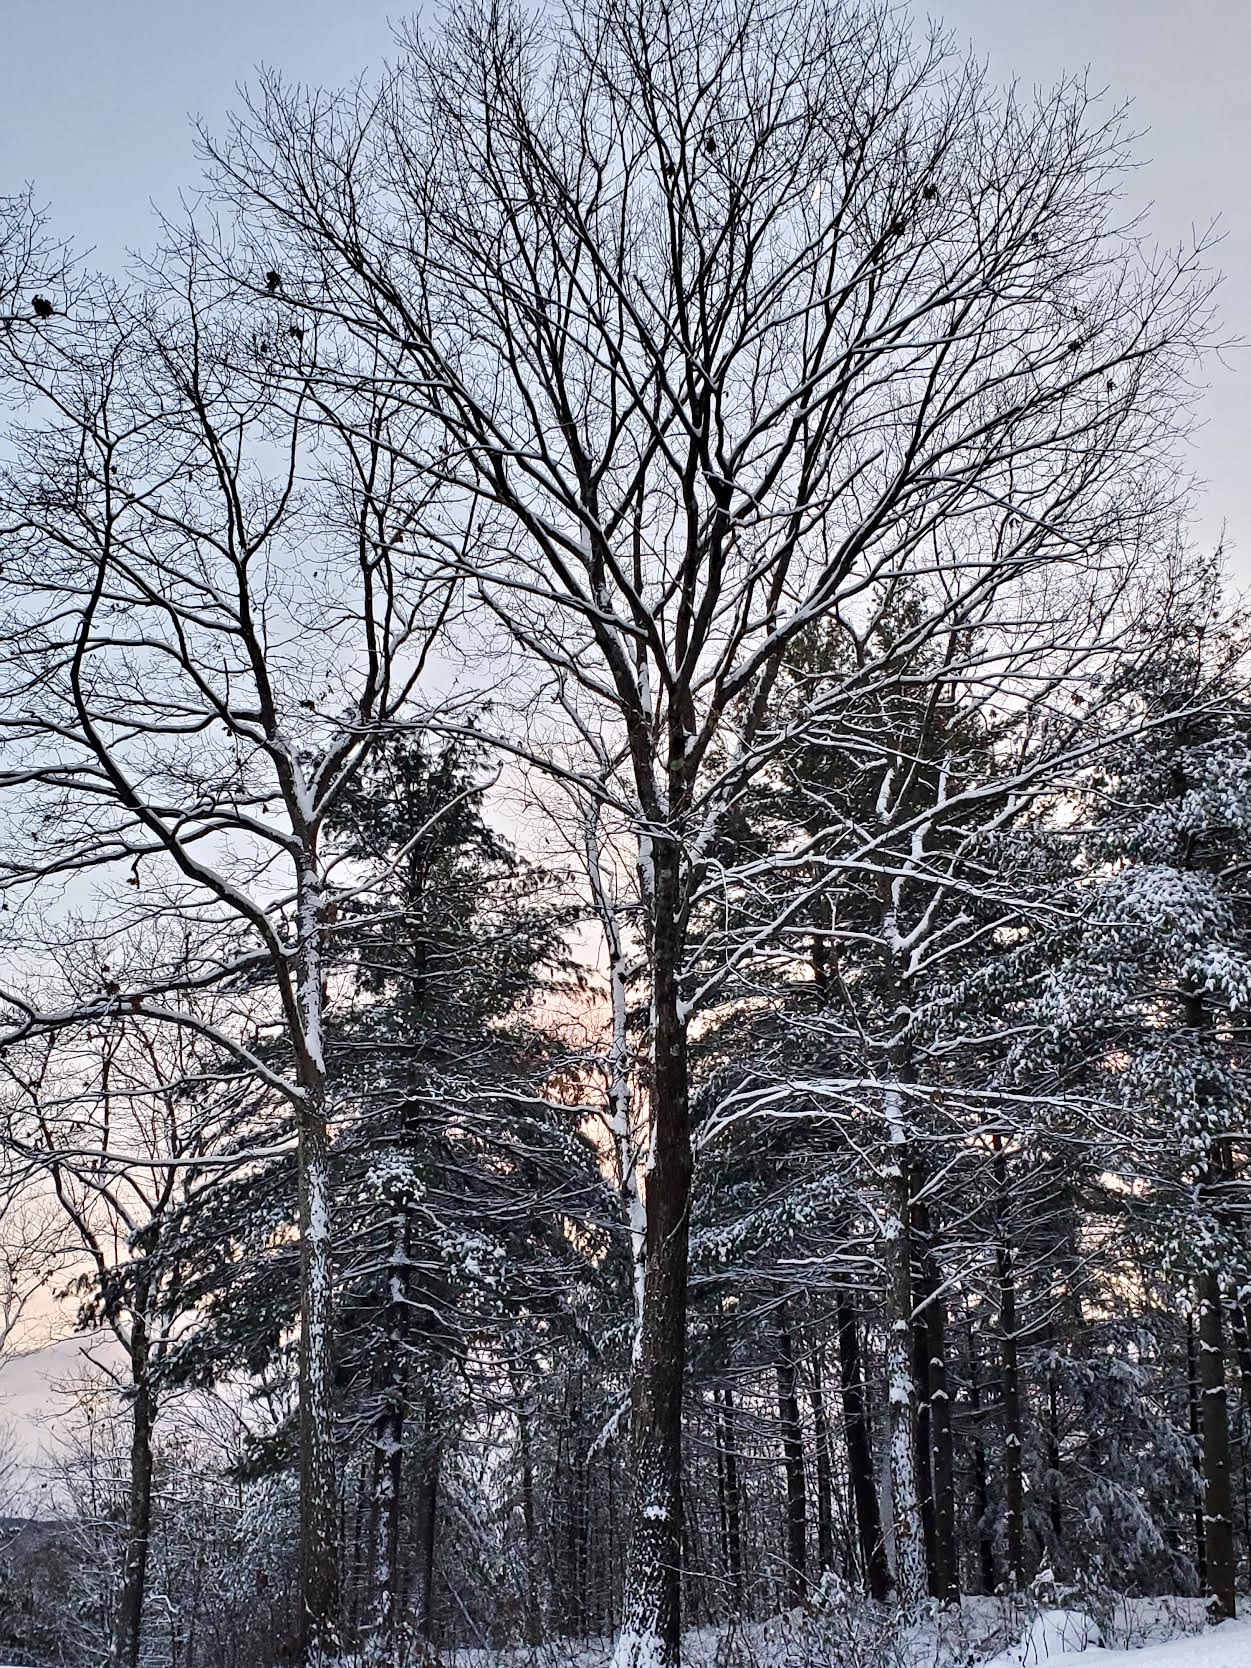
981,1633
1227,1646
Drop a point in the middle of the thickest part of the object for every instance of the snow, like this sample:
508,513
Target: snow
1051,1636
1142,1633
1064,1637
640,1650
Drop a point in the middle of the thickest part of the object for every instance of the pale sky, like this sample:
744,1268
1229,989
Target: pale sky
96,95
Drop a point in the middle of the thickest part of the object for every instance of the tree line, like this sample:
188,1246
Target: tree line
624,856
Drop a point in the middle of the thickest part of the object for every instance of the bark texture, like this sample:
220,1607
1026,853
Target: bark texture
319,1559
793,1464
910,1575
650,1635
1218,1511
825,1481
128,1620
874,1569
945,1566
1009,1361
728,1489
388,1455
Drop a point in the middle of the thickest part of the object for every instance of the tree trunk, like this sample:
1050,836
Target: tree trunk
945,1565
318,1621
981,1489
358,1572
128,1621
695,1562
731,1509
651,1624
1013,1428
874,1569
1194,1397
578,1563
319,1553
1218,1516
825,1483
531,1597
388,1473
793,1464
621,1101
922,1444
934,1457
922,1451
427,1519
910,1580
1054,1506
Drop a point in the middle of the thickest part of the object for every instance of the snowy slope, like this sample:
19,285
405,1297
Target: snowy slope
1156,1633
1228,1646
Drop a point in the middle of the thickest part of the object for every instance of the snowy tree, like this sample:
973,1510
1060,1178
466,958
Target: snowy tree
211,616
454,1171
731,323
1162,982
115,1117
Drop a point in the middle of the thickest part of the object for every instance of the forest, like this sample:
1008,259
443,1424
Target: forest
625,939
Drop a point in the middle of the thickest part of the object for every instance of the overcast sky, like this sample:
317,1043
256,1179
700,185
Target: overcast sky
96,95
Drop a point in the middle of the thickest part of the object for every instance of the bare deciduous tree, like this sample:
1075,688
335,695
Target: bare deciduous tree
113,1114
735,318
215,606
